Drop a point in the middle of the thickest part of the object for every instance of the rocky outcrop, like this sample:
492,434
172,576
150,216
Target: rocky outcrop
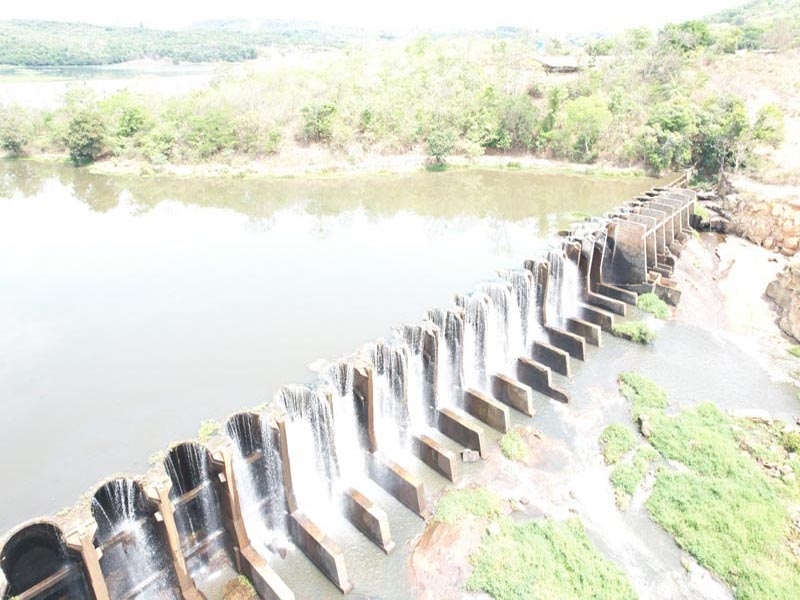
785,292
773,224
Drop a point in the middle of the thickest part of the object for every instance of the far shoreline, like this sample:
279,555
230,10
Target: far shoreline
316,164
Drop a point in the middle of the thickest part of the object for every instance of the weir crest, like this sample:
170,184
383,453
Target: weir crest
272,479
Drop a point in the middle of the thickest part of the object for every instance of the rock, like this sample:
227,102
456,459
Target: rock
525,501
493,528
644,426
470,456
786,469
752,414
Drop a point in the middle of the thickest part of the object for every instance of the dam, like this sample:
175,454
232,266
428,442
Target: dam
276,478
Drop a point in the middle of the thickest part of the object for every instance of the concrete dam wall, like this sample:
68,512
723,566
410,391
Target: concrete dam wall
272,477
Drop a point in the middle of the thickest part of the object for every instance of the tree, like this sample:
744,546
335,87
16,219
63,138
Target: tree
587,118
85,137
318,122
15,130
722,141
440,143
769,125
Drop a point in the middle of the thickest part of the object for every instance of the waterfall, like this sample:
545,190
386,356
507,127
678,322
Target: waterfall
311,443
419,409
349,435
563,289
390,370
132,549
259,479
524,284
505,341
449,357
477,322
197,517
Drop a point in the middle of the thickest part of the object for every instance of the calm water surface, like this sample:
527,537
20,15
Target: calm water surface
132,309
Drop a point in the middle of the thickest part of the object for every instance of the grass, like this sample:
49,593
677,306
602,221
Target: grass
720,505
636,331
545,559
513,446
457,504
794,351
654,305
642,392
617,440
626,477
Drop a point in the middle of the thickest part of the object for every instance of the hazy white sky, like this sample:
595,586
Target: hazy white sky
560,15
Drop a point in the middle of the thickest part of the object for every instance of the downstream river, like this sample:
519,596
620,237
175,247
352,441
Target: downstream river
132,309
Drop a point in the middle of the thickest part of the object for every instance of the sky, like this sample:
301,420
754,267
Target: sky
558,15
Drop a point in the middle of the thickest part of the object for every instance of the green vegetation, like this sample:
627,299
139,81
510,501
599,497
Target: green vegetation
701,211
626,476
729,504
208,429
794,351
647,105
457,504
654,305
642,392
545,559
617,440
513,446
636,331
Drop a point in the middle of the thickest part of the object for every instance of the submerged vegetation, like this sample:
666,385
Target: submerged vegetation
636,331
728,494
513,446
654,305
641,100
544,559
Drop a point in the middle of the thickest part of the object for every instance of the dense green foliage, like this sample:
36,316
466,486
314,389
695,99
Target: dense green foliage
768,24
45,43
513,446
636,331
654,305
617,440
457,504
720,505
545,559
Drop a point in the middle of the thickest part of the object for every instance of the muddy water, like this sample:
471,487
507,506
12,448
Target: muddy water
131,309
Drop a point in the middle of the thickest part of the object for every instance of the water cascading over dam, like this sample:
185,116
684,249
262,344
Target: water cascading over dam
277,478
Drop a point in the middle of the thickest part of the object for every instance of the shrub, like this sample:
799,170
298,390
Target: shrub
85,137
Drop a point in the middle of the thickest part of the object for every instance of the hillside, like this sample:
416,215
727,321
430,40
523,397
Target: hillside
771,24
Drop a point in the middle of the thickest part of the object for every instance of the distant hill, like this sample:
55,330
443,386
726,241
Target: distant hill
50,43
775,22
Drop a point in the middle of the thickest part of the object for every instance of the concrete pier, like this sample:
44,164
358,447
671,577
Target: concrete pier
400,483
320,549
368,518
538,377
513,393
487,410
436,456
460,428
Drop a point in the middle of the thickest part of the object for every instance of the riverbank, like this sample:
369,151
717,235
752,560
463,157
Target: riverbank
320,162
